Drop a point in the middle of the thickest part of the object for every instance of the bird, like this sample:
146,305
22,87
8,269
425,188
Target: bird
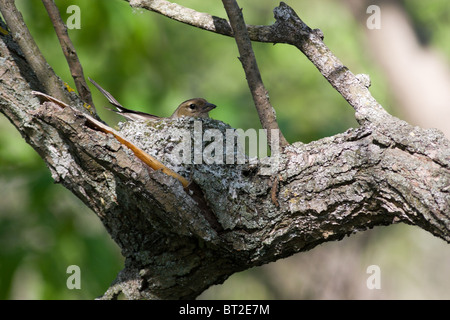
196,108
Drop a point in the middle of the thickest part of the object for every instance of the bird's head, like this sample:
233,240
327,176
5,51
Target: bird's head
197,107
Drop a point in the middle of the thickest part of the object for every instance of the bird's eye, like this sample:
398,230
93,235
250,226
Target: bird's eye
192,106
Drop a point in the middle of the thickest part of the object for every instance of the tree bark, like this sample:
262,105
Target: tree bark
384,172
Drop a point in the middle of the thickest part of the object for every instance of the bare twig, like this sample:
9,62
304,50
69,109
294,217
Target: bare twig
201,20
69,52
22,36
247,57
185,15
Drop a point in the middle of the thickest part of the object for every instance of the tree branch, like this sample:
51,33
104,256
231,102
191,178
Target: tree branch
185,15
202,20
290,29
259,93
52,84
70,53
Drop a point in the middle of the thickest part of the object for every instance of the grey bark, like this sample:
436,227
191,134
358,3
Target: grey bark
384,172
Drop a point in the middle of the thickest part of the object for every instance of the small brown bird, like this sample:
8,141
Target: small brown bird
197,107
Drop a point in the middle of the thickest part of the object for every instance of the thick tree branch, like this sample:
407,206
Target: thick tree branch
52,84
247,57
70,53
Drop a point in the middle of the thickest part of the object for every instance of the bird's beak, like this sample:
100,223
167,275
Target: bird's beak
208,107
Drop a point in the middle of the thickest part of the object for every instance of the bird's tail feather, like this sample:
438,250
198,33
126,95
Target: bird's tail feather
109,96
127,113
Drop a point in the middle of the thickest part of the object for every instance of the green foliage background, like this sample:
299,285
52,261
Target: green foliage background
151,63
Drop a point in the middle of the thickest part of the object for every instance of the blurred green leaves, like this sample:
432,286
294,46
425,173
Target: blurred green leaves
431,20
